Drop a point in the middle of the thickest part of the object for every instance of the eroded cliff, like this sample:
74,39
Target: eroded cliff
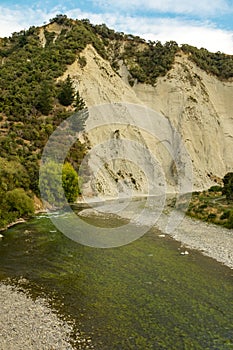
198,105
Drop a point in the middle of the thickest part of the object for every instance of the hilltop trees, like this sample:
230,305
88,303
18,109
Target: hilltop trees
216,63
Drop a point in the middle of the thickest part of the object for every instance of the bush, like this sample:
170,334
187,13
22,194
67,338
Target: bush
215,188
82,61
228,186
211,216
19,202
229,223
203,206
225,215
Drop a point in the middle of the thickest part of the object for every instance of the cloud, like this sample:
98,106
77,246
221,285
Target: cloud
186,7
196,33
19,18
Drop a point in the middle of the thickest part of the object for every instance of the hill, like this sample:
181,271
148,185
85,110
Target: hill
191,87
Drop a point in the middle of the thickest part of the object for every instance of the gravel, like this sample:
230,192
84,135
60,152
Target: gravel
212,240
27,324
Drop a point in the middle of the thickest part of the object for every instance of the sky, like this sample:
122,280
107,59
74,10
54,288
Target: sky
207,23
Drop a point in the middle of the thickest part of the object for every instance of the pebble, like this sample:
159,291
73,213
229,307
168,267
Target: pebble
27,324
184,253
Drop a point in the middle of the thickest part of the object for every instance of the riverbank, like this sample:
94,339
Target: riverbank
29,324
211,240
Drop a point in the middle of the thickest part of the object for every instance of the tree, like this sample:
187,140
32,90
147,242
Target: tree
50,183
79,102
44,100
70,182
60,19
66,93
228,186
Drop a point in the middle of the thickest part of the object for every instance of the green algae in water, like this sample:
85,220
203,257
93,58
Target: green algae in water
141,296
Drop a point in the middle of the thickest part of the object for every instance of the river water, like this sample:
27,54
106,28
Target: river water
144,295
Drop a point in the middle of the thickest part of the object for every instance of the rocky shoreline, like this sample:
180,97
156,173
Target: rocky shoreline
211,240
32,324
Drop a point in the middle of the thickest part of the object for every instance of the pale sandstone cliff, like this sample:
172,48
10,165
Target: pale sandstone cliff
197,104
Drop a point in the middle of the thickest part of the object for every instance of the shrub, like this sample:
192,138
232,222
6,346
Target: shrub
229,223
203,206
215,188
18,201
225,215
212,216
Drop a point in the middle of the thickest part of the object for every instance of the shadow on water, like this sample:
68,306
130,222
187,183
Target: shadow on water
142,296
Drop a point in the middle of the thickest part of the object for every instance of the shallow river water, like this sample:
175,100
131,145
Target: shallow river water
142,296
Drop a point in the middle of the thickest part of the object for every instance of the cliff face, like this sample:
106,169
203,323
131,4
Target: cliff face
197,105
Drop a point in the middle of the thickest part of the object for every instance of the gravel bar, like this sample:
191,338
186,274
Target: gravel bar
27,324
212,240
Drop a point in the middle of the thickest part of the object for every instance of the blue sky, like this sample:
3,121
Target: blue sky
206,23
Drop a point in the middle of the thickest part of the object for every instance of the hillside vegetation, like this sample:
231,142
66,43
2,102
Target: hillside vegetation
34,101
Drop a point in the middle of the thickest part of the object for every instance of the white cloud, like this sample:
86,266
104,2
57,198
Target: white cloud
203,7
14,20
200,34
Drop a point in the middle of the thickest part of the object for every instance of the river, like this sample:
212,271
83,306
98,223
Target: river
143,295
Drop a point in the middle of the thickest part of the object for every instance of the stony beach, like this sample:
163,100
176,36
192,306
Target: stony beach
212,240
27,324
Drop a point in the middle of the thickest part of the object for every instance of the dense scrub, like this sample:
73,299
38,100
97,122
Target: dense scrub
216,63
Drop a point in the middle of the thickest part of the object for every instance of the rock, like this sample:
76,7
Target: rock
184,253
29,324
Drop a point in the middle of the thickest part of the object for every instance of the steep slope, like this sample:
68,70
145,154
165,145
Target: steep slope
197,104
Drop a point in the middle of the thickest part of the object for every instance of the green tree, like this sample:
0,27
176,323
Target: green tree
66,92
51,180
79,102
44,100
70,182
50,187
228,186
